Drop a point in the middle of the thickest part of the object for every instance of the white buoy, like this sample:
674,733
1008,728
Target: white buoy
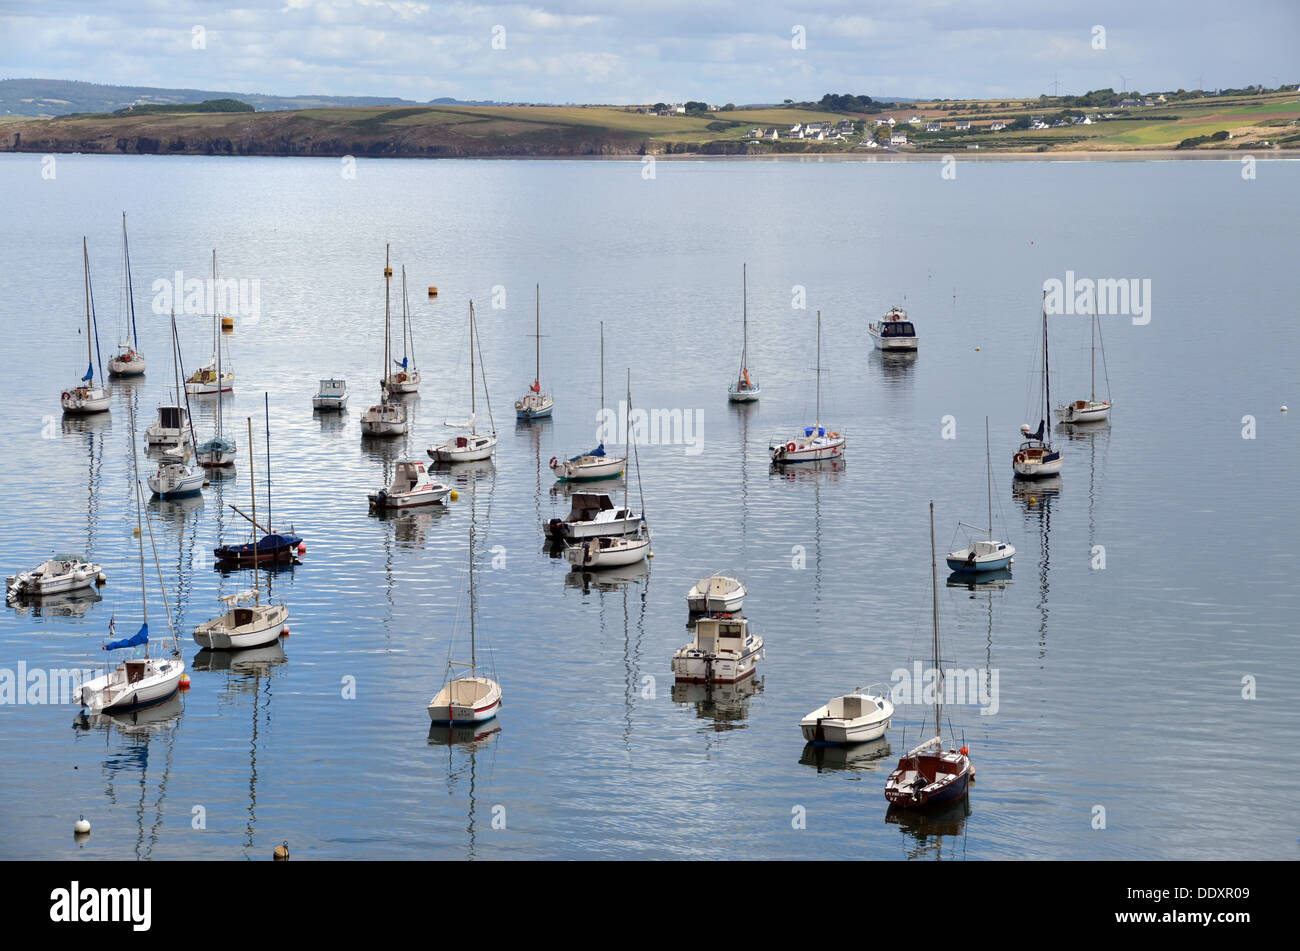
1284,407
81,826
101,578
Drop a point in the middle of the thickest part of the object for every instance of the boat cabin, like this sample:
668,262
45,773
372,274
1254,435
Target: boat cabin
332,389
408,476
853,706
171,417
721,633
587,506
134,671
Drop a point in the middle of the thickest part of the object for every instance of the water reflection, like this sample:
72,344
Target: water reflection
465,743
725,705
933,834
859,757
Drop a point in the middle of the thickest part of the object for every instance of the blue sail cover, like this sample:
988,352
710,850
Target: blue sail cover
90,373
141,637
598,451
1042,423
217,444
401,363
808,430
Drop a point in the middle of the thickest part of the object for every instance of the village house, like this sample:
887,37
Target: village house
997,125
898,138
933,127
963,125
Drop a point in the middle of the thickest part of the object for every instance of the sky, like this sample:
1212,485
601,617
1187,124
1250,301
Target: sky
718,51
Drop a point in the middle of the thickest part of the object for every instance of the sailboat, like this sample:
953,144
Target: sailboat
984,554
136,681
587,466
1036,459
273,546
176,478
473,698
385,418
927,775
614,551
535,404
476,445
86,398
216,377
407,379
247,622
815,443
1091,410
745,389
127,361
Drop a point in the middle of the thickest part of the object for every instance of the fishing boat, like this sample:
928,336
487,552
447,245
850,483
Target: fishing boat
929,775
407,378
471,446
1036,459
535,404
272,547
86,398
716,593
616,551
858,717
593,465
331,397
59,575
472,698
987,554
412,486
385,419
1091,410
815,443
218,375
894,331
246,622
722,651
745,388
128,361
135,681
593,515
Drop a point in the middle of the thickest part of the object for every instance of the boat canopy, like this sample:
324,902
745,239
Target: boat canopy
598,451
587,505
820,430
218,444
141,636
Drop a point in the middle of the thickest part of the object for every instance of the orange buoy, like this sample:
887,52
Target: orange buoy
282,852
433,291
285,631
965,751
185,681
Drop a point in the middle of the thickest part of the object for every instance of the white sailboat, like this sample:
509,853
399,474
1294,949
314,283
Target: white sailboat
172,429
745,389
86,397
247,622
1036,459
218,452
176,478
128,361
136,681
472,446
983,554
217,376
385,419
858,717
616,551
407,379
535,404
473,698
815,443
1091,410
589,466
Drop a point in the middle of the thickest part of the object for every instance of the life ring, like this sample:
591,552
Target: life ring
1020,457
789,447
554,461
66,395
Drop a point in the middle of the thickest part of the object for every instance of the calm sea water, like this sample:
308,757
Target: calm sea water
1120,688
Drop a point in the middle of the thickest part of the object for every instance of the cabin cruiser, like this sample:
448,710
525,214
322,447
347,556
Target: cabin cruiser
894,331
722,651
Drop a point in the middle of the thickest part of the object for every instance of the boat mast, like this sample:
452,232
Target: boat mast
388,280
473,657
252,491
938,663
130,291
1047,380
472,404
744,319
135,465
818,423
537,370
406,322
266,397
85,257
1093,327
988,461
627,437
602,365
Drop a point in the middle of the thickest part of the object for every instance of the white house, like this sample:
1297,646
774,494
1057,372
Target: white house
997,125
915,120
963,125
872,144
771,135
898,138
932,127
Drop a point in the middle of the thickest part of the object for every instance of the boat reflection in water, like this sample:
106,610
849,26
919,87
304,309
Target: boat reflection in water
858,757
465,743
935,833
610,579
986,581
67,604
727,705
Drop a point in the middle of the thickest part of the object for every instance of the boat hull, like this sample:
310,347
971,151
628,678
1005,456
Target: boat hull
126,368
382,428
589,472
265,626
782,454
618,556
895,344
449,453
829,731
902,795
533,407
694,667
111,693
447,709
383,499
329,404
37,584
1031,469
1088,412
85,401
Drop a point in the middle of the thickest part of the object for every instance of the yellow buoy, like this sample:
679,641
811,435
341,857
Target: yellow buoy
227,323
454,495
433,291
282,852
388,272
135,532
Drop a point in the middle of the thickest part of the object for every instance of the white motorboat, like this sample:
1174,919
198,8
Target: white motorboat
412,486
218,375
58,575
135,681
171,430
472,446
176,478
535,404
1036,459
895,331
815,443
858,717
593,515
716,593
596,464
1091,410
745,388
128,361
406,379
331,397
722,651
385,419
246,622
983,554
87,397
473,698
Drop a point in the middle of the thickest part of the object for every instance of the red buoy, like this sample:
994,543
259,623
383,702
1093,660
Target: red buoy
302,548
